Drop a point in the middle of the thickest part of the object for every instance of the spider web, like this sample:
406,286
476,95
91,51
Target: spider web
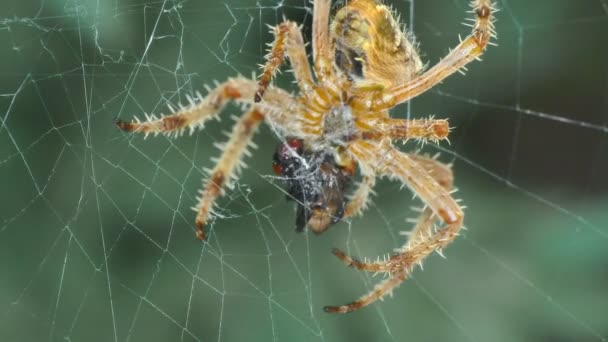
96,231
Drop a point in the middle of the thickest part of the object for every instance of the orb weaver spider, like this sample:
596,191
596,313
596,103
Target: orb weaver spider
364,65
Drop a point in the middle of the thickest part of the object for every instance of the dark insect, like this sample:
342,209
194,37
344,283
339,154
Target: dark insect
315,182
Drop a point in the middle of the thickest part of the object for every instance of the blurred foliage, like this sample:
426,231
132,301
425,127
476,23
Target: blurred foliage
96,234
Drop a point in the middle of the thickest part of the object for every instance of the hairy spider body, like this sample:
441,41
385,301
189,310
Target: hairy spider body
364,34
364,65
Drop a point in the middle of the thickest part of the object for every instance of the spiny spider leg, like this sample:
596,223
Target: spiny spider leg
197,112
468,50
375,128
423,224
321,47
358,201
288,42
277,108
422,230
441,172
399,165
224,170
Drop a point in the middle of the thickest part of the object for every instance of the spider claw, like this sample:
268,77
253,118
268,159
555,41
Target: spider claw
338,253
200,232
340,309
123,125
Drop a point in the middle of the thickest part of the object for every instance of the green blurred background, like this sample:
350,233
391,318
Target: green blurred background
96,231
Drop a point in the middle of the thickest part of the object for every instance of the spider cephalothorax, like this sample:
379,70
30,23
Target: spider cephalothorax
338,122
315,182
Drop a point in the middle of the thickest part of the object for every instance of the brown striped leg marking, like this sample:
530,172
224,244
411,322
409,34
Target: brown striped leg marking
196,113
288,42
422,129
227,167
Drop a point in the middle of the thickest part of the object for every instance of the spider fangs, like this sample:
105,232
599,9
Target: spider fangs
339,122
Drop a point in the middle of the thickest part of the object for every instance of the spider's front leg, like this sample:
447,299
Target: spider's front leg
197,112
289,43
433,190
229,162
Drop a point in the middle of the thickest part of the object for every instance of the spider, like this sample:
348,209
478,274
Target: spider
363,65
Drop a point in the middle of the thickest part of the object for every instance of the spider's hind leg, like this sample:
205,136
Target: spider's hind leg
431,181
424,224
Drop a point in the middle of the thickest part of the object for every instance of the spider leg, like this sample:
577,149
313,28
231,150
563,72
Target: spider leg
289,43
424,223
200,111
442,173
469,49
229,162
321,47
422,230
375,128
379,291
440,203
395,164
359,199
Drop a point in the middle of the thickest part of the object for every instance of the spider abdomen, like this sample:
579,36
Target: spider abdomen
370,46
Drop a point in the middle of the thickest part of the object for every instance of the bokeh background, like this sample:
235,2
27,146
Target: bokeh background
96,231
